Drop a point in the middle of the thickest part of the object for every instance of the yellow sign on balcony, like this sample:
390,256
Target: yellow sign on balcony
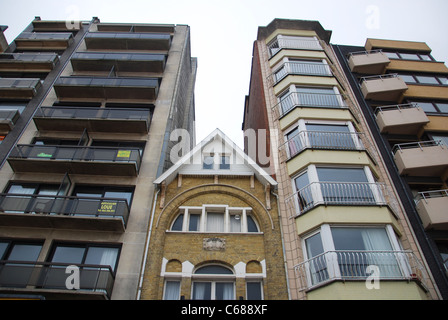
124,153
107,207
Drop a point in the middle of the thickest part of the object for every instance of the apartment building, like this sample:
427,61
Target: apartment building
87,109
403,94
215,231
342,219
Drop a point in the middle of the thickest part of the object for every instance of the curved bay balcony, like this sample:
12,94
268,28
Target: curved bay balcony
75,159
358,265
126,120
303,140
337,194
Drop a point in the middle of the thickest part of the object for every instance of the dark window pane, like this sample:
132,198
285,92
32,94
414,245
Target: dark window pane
177,225
254,291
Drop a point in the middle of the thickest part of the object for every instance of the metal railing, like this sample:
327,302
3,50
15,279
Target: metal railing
10,83
365,52
418,144
52,276
119,56
313,100
64,206
94,113
107,82
335,193
398,107
77,153
128,35
9,115
322,140
45,36
425,195
379,77
285,43
300,68
28,57
356,265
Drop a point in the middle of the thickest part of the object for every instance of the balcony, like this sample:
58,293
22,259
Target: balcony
120,62
127,41
107,88
350,141
308,100
49,279
61,212
300,43
389,87
7,119
426,158
356,265
76,160
28,62
19,88
43,41
56,25
300,68
126,27
401,119
431,206
368,62
337,194
125,120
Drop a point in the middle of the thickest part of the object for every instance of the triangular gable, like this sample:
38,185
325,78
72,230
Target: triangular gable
239,161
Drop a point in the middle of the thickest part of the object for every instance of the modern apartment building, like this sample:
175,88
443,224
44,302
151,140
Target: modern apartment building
343,221
87,109
215,231
403,93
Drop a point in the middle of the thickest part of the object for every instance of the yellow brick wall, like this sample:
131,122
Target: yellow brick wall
250,249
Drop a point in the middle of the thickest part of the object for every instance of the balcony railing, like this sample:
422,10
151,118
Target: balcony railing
28,57
94,119
300,68
42,276
322,140
81,157
285,43
312,100
45,36
64,206
8,118
357,265
335,193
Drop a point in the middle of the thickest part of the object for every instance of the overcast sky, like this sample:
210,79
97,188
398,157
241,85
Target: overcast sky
223,32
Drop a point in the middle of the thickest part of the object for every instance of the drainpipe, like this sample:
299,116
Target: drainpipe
140,285
283,248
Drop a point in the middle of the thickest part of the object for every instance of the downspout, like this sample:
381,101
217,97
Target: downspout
140,285
283,248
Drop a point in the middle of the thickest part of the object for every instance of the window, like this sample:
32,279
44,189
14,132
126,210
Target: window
424,79
172,290
254,290
15,274
91,254
303,67
432,106
323,97
335,186
225,162
111,192
208,161
220,287
216,218
293,42
346,252
409,56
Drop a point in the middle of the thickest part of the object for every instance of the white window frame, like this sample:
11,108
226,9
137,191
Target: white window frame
214,279
224,209
331,259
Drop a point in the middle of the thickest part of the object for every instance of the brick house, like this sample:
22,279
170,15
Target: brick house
214,231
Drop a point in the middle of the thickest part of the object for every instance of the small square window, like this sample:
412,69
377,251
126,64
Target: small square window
208,162
225,162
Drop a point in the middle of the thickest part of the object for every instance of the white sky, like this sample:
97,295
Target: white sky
223,32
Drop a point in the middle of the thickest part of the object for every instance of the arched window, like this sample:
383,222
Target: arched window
213,282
